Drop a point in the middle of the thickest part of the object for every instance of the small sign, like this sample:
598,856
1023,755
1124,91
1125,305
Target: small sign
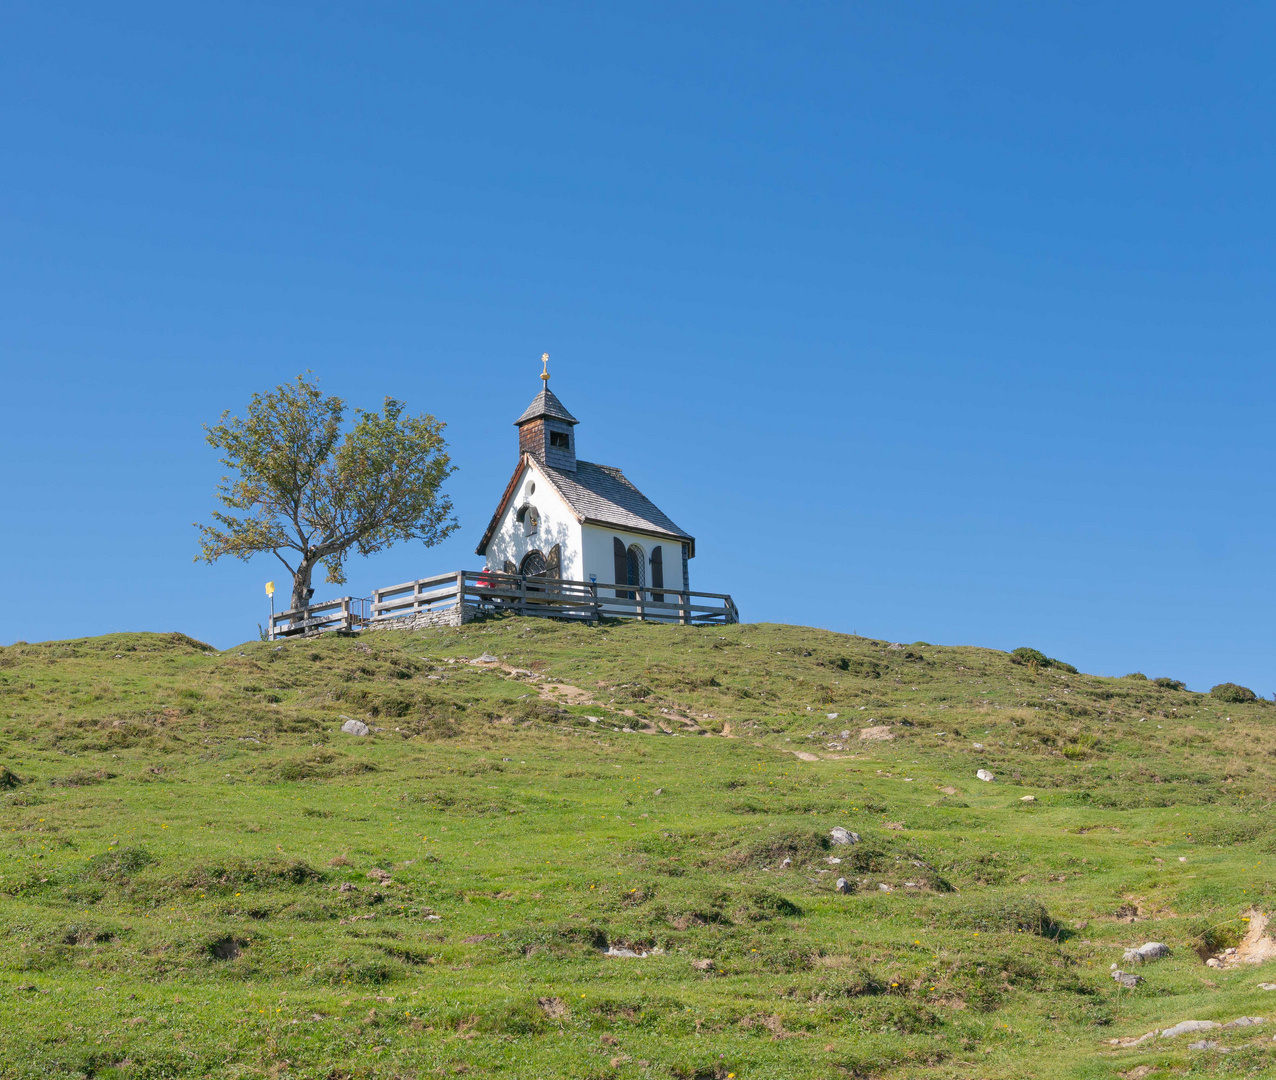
270,588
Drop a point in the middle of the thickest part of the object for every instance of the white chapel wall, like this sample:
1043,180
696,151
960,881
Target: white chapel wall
600,558
558,525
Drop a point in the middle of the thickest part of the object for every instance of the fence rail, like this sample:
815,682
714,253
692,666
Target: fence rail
348,614
480,592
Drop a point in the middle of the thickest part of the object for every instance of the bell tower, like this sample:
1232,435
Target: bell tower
546,430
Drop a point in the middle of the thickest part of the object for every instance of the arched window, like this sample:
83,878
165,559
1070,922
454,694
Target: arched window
533,564
635,566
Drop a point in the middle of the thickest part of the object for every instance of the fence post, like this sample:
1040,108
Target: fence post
460,594
593,594
522,594
642,606
684,604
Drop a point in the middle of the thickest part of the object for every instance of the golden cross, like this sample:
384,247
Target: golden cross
545,372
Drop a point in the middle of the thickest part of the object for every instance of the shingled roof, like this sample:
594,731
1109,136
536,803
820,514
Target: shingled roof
598,495
601,495
546,404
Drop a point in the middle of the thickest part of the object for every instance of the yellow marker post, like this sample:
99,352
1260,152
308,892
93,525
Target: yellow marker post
270,591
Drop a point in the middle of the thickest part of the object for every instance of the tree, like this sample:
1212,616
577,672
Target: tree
306,483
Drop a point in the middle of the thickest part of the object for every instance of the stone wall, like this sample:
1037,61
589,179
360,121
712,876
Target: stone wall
424,620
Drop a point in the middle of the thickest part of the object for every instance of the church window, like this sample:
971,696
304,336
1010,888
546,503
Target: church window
635,566
533,564
560,439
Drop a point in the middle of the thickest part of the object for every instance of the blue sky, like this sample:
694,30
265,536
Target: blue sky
931,322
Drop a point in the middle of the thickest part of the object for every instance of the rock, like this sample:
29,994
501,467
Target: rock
659,791
486,658
879,733
1267,986
883,887
702,965
846,734
1214,962
355,727
832,715
1153,950
802,755
786,863
977,745
1204,1044
985,776
1029,798
844,886
1245,1021
840,835
377,874
1126,978
1187,1027
626,953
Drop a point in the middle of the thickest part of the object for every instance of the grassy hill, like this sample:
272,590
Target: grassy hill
201,875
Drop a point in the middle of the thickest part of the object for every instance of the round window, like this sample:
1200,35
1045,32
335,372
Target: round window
531,488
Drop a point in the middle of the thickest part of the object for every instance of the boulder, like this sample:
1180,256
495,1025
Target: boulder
839,835
985,776
1245,1021
355,727
1153,950
1126,978
879,733
1187,1027
844,886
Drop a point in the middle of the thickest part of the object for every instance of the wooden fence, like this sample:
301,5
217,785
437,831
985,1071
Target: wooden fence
348,614
483,592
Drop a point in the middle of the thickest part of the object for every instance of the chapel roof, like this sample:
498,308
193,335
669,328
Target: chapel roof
546,404
597,495
601,494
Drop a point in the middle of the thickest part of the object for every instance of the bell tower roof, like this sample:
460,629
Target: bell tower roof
545,404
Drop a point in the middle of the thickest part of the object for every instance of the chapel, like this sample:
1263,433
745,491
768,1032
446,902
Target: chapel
561,517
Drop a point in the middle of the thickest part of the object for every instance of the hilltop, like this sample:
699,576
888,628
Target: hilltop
606,851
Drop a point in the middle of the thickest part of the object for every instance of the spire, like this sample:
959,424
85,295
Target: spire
545,428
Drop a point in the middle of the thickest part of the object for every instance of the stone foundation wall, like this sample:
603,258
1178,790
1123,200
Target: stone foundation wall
425,620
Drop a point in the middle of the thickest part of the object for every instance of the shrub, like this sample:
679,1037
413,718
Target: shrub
1136,675
1025,655
8,778
1233,693
1169,684
1036,658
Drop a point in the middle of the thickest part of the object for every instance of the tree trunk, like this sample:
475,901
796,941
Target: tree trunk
301,584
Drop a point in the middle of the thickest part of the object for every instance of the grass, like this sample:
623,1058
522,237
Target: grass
201,876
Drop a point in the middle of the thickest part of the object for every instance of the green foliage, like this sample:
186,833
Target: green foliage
1166,683
308,484
1232,692
1036,658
